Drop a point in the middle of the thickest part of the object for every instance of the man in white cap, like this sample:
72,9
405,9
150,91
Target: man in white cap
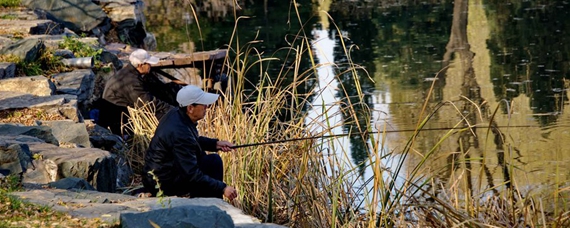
176,155
125,87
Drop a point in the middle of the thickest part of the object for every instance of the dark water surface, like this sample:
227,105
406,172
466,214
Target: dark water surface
491,63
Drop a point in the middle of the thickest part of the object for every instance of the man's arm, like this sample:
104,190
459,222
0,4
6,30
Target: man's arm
138,91
208,144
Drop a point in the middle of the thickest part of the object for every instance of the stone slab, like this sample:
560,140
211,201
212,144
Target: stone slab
35,85
18,100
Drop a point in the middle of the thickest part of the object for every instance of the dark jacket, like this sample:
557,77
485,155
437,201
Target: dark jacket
123,90
173,156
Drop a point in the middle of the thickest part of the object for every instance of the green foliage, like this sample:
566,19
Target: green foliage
8,17
160,194
9,3
10,183
30,68
47,64
81,49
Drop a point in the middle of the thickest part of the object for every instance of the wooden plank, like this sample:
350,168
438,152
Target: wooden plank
168,59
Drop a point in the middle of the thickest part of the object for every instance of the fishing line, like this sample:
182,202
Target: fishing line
375,132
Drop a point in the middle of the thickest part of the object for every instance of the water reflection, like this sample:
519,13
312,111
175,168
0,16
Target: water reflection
484,55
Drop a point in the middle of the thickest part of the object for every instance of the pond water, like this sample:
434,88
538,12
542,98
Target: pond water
477,63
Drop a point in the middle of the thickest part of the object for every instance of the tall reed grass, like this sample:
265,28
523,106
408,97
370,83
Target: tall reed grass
311,183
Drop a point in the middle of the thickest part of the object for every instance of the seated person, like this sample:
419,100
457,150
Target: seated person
123,90
176,155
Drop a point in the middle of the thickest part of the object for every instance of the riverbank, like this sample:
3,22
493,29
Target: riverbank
48,141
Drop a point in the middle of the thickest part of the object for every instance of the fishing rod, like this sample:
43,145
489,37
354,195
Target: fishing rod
374,132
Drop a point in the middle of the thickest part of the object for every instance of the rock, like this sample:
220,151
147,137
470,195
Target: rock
79,82
116,1
15,154
69,109
7,70
131,31
83,204
190,216
29,49
35,85
111,207
109,57
40,132
71,183
10,158
149,42
122,10
67,131
17,100
4,42
64,53
102,138
20,14
149,204
53,41
77,15
29,27
96,166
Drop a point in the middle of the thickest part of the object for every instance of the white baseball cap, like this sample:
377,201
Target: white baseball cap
191,94
141,56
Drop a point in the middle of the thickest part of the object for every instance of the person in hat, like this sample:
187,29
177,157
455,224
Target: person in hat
125,88
176,155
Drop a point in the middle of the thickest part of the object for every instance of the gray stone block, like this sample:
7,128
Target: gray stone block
183,216
40,132
29,49
35,85
17,100
71,183
77,15
96,166
7,70
68,131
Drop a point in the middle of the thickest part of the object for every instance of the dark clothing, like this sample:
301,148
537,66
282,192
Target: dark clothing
174,156
123,90
213,166
111,116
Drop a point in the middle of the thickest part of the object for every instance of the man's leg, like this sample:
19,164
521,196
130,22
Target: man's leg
213,166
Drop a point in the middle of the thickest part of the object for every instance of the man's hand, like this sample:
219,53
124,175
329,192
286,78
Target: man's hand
224,146
230,192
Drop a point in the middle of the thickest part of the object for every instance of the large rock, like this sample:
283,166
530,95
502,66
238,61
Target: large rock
40,132
35,85
189,216
28,50
17,100
110,207
68,132
7,70
239,218
72,183
77,15
79,82
29,27
103,139
53,41
120,10
14,156
94,165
